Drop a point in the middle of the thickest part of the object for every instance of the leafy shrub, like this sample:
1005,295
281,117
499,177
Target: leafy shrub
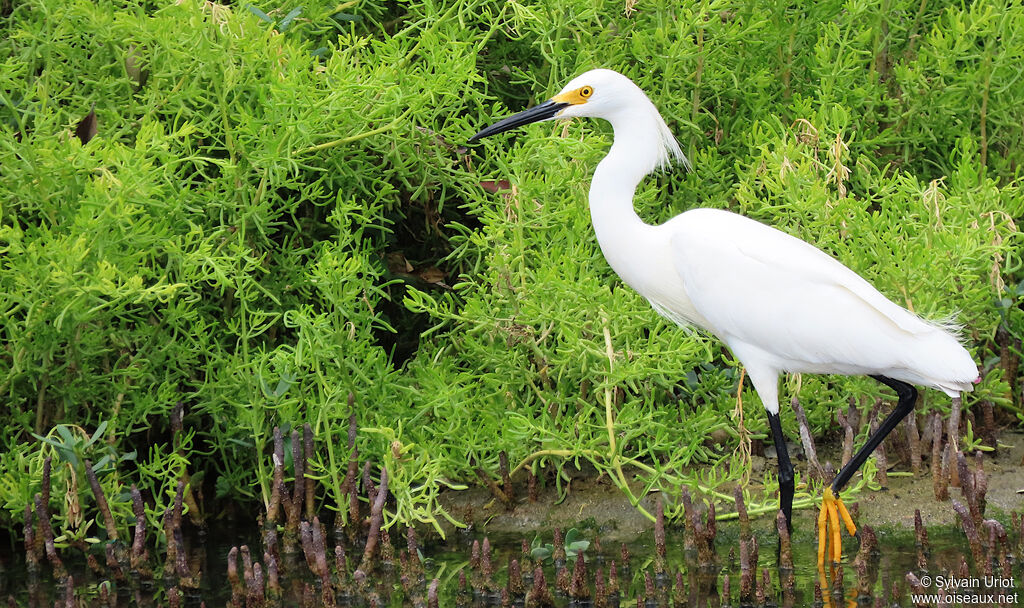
258,227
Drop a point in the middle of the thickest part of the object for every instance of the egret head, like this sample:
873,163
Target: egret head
599,93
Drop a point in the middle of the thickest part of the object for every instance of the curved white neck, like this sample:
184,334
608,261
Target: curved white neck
633,155
620,231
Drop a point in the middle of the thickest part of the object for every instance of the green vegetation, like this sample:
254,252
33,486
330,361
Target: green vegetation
574,543
276,213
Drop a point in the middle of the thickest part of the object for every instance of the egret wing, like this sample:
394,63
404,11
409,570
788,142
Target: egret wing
772,291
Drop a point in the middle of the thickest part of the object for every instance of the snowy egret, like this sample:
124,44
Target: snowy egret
778,303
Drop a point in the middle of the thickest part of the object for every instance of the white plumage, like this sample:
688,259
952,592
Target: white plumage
779,303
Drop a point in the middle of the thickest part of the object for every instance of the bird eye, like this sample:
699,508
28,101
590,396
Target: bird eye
586,92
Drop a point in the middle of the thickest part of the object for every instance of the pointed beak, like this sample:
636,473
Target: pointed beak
548,109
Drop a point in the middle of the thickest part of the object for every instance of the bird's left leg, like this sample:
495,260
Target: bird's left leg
785,469
766,383
832,507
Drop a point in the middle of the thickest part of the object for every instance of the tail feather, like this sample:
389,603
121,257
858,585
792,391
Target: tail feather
942,362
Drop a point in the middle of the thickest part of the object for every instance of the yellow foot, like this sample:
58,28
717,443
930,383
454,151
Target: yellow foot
832,508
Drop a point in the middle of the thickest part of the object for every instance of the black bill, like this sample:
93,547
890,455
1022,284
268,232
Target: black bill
544,111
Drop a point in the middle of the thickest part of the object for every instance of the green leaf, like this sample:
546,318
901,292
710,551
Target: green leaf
51,442
287,21
287,380
65,433
100,464
573,536
224,487
259,13
97,434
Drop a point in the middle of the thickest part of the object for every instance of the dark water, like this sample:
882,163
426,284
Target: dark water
703,585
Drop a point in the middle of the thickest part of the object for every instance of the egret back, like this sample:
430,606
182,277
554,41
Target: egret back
802,310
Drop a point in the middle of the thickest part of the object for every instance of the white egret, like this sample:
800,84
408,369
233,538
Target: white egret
780,304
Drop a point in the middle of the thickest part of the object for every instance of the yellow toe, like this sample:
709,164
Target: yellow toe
822,531
847,520
832,510
837,543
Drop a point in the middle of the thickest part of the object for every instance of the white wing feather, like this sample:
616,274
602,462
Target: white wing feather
743,277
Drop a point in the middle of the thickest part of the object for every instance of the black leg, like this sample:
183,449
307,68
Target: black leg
907,398
785,469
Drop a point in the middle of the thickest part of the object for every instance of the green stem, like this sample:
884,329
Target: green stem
609,419
354,138
560,453
804,503
426,34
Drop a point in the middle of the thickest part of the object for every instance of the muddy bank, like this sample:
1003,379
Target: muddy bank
595,503
895,506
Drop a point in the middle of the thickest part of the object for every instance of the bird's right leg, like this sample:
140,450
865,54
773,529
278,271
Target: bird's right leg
907,398
832,505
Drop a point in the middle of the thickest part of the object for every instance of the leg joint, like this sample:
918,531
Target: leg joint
906,392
